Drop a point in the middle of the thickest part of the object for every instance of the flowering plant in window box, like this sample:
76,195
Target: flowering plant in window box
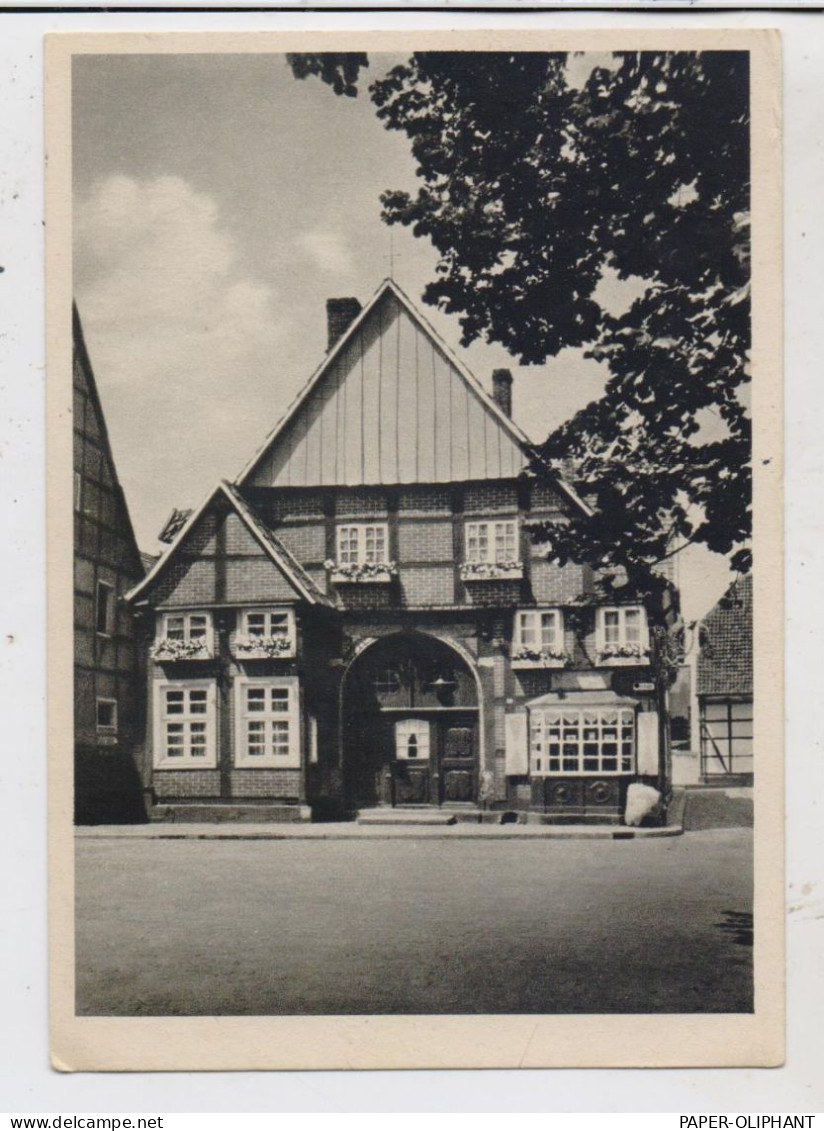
491,571
170,650
525,657
360,571
263,647
627,654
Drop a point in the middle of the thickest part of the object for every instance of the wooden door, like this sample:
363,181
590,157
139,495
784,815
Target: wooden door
458,771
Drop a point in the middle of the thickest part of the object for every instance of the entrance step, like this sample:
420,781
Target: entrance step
406,817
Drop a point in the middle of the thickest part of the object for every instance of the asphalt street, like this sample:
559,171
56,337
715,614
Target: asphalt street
425,925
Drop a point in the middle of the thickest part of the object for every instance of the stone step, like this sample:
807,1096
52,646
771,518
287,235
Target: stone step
187,812
406,817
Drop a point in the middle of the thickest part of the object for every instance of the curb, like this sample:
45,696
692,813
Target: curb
317,832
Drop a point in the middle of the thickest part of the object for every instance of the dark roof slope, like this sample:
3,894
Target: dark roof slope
725,659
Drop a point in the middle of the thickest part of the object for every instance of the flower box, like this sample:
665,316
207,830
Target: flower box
263,647
625,655
373,573
492,571
170,651
525,658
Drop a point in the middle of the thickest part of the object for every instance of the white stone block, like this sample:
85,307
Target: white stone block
642,801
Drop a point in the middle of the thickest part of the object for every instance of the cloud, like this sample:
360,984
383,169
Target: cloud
154,262
183,338
328,250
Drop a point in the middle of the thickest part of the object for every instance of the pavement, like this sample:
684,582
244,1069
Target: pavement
351,830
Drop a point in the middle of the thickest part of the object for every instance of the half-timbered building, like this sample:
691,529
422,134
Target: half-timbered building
361,619
724,687
107,663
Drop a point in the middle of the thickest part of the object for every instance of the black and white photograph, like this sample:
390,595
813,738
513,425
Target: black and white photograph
417,408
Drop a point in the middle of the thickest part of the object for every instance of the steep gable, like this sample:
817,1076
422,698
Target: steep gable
225,554
389,404
99,497
725,660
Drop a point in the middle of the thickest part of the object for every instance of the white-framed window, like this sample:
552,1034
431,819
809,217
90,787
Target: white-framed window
363,543
185,724
539,630
183,636
594,740
267,624
265,634
107,717
104,608
495,543
622,631
267,723
412,740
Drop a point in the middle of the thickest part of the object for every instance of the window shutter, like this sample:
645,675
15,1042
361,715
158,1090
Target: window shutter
648,743
517,750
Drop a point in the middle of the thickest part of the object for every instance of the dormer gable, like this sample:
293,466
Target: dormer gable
209,561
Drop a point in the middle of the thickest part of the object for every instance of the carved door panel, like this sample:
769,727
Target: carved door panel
458,770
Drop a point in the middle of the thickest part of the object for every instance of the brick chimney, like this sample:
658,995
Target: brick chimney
340,314
502,390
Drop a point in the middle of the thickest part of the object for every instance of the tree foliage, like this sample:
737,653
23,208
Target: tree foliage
533,189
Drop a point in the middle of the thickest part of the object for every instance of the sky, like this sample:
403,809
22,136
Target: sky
218,202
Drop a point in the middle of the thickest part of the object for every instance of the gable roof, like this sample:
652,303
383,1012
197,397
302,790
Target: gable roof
725,659
451,430
273,547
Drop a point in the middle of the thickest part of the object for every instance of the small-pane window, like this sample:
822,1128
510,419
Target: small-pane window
594,741
539,629
362,544
493,542
186,725
622,631
267,725
386,681
266,622
412,740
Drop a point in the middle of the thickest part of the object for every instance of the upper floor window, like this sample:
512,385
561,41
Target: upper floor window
104,609
184,636
362,553
539,629
493,542
185,724
265,633
622,633
491,551
364,543
78,491
107,717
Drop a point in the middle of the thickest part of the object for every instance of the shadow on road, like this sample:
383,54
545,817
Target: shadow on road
737,924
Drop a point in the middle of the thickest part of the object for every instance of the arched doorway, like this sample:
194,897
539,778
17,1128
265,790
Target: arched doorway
410,730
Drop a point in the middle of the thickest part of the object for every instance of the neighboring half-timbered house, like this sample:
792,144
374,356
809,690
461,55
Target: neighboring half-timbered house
107,666
724,687
361,618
